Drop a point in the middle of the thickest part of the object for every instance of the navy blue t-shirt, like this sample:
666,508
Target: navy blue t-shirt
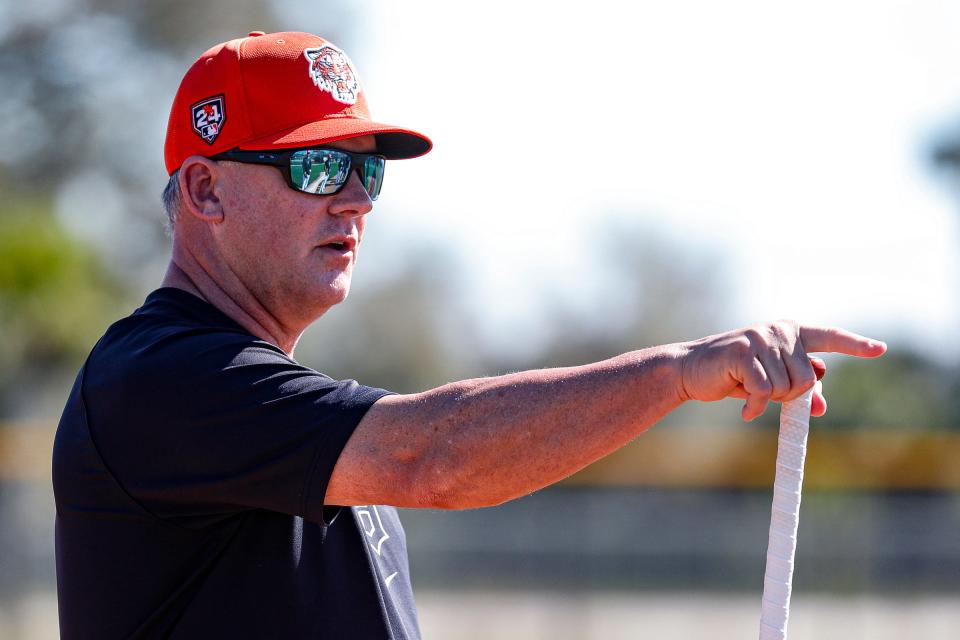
190,468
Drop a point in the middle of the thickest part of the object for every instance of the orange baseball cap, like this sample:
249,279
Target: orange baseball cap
275,91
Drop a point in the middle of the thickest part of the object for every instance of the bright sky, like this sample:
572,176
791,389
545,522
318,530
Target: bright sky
790,139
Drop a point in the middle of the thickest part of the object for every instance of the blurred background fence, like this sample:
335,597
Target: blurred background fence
463,277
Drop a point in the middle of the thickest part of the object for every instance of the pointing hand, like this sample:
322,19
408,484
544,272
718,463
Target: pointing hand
767,362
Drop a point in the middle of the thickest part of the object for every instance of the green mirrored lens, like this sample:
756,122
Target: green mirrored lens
325,171
319,171
373,175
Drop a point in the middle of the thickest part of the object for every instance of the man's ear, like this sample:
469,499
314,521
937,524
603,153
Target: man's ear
199,187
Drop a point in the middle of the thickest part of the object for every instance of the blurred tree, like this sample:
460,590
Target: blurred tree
87,91
55,299
945,155
904,390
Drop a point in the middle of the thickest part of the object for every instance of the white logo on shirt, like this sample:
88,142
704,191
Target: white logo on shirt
374,530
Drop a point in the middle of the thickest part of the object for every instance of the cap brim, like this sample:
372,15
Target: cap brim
395,143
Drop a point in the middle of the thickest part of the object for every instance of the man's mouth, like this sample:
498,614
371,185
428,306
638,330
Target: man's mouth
340,244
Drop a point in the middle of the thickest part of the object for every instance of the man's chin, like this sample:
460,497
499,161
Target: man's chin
333,293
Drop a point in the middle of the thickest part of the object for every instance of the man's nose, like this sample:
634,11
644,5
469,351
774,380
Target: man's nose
352,199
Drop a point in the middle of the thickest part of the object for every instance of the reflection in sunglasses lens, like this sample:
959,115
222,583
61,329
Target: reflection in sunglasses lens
324,171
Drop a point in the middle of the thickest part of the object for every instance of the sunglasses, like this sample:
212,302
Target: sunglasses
320,171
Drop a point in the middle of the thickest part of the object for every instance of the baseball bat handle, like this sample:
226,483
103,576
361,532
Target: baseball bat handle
784,517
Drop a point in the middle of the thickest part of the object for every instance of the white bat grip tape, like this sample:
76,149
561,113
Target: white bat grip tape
784,517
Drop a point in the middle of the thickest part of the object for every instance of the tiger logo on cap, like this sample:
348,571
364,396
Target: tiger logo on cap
331,71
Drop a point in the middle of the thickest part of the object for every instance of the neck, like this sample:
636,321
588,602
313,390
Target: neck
186,273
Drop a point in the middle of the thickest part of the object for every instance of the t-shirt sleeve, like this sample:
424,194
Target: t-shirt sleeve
208,427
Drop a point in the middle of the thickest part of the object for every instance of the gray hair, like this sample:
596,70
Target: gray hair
171,200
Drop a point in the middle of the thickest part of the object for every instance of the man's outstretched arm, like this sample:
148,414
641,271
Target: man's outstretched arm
484,441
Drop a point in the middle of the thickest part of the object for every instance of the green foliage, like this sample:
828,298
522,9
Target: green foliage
902,390
55,297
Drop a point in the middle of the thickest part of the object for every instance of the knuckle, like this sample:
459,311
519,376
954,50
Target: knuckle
742,347
806,380
781,333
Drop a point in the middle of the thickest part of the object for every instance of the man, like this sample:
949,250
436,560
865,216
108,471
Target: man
311,183
208,485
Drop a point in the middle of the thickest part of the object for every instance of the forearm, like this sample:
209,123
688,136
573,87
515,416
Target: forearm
484,441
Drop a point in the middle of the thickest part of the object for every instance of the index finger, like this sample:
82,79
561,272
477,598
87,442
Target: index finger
836,340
